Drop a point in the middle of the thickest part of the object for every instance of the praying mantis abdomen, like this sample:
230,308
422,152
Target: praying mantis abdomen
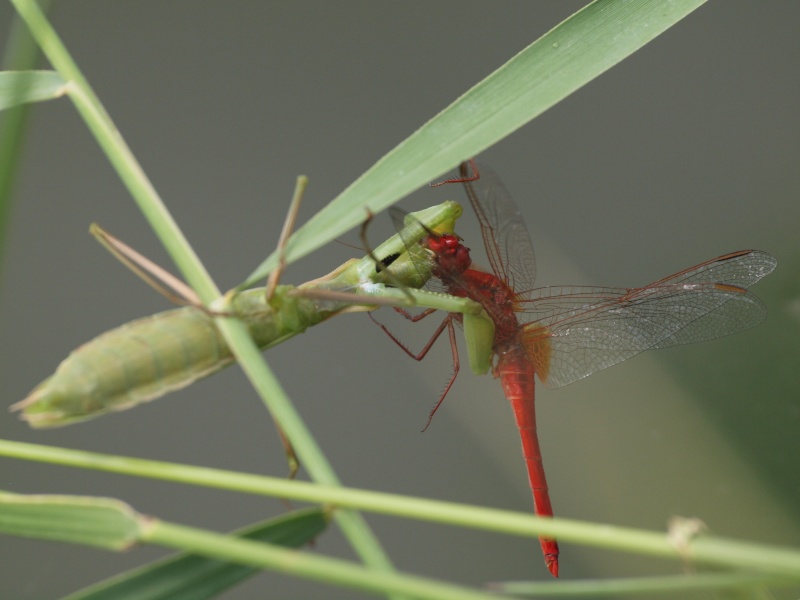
147,358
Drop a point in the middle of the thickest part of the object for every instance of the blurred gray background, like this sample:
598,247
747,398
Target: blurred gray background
685,151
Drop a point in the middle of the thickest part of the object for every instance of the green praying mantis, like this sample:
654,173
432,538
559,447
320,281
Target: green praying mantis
147,358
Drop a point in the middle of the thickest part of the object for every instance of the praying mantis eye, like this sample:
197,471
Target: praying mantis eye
385,262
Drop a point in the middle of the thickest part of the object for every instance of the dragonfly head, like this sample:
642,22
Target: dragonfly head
451,256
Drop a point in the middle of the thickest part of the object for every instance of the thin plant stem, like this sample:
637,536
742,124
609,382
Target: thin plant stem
21,53
636,586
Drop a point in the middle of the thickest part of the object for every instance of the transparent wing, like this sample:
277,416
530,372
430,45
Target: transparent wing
505,235
580,330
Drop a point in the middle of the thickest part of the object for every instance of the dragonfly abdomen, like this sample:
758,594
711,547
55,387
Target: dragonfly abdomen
516,374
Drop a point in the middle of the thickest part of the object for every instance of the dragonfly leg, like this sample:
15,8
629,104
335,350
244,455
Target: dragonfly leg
422,353
414,318
466,175
447,323
456,367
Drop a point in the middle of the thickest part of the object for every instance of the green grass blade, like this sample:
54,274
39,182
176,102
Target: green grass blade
568,57
22,87
20,54
192,577
103,522
307,566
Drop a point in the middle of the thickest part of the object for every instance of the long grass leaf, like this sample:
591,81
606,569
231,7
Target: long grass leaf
192,577
22,87
563,60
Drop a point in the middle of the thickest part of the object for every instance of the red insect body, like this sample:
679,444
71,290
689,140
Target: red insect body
513,367
562,334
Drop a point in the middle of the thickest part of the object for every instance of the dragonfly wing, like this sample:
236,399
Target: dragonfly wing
571,341
743,268
741,311
505,236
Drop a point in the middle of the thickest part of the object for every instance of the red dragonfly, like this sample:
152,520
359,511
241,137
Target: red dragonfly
563,334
